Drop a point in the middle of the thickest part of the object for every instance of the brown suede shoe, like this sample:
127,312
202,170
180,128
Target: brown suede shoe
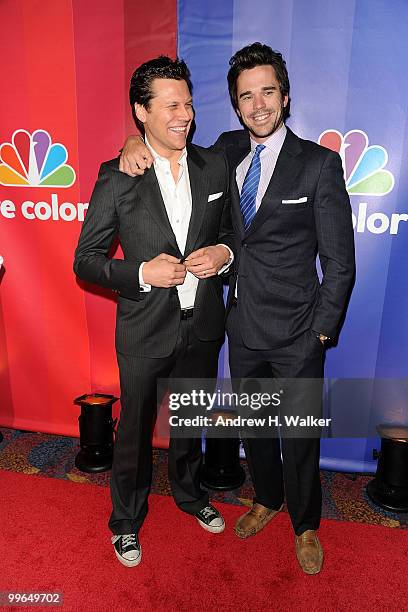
254,520
309,552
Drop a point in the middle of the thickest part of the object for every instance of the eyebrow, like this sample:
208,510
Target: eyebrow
189,101
268,88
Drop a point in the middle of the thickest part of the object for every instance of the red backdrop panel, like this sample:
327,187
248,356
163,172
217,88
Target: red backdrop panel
67,73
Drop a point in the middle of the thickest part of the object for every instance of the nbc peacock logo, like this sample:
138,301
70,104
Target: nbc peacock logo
365,175
363,165
32,160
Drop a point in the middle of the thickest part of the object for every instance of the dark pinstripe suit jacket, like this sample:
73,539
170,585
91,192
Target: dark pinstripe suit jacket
305,211
132,209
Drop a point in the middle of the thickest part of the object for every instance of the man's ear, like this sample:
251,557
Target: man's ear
285,101
140,112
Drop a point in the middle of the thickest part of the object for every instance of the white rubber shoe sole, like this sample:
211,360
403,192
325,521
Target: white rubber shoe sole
212,529
129,562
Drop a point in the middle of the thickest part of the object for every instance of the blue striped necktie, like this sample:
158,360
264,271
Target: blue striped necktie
250,188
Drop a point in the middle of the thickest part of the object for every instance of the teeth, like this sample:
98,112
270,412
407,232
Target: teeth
178,129
261,117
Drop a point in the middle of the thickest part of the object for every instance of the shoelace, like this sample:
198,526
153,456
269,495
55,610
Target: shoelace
129,540
207,512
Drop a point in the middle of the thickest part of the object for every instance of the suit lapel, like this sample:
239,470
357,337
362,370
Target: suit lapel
235,157
149,187
287,166
199,195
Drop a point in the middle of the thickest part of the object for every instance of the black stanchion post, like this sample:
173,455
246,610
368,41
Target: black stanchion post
222,470
96,428
389,489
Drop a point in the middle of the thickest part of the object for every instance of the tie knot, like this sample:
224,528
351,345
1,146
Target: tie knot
259,148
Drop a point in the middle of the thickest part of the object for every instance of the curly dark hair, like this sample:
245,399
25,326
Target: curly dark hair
161,67
254,55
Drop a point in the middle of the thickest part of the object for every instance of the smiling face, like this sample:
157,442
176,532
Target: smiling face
167,119
260,102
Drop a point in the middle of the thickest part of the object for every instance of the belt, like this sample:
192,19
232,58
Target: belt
186,313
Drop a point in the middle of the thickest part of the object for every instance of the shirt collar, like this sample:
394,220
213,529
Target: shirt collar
274,142
160,159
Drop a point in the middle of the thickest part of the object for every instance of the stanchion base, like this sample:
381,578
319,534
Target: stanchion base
223,479
394,499
93,462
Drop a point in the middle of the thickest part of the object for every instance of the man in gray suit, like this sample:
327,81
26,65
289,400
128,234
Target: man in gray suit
289,204
170,322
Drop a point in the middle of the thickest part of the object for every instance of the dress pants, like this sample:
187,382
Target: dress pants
132,459
298,475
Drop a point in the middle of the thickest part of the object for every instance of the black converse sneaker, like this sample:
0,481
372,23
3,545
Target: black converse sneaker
210,519
127,549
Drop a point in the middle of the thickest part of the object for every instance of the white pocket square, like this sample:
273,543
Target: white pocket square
298,201
214,196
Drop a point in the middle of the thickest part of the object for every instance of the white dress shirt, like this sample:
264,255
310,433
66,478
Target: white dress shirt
178,203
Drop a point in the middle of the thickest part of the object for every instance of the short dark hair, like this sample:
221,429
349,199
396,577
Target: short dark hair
254,55
161,67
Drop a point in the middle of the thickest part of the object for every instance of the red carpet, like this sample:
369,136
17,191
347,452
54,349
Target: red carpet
55,538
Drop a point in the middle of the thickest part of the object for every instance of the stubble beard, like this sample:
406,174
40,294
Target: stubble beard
271,130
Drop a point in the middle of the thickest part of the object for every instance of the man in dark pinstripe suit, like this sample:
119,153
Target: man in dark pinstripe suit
170,322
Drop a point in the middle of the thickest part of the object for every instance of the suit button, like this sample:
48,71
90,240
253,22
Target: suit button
245,245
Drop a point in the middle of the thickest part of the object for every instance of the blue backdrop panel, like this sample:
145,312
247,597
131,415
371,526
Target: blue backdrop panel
346,63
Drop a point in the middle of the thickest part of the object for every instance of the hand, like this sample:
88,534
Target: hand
135,157
164,271
207,261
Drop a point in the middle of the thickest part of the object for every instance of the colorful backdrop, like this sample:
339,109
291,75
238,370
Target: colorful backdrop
66,82
64,91
349,87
